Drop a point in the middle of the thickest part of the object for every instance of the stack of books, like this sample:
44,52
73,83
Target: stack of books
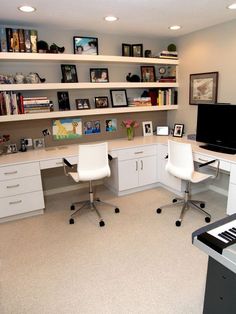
36,104
18,40
165,54
141,101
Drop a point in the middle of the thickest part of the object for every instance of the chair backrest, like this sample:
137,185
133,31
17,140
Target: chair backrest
93,162
180,160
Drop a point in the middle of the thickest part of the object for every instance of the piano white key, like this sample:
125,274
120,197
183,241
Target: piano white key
215,232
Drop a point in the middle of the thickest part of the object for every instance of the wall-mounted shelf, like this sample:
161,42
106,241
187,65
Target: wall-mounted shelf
79,113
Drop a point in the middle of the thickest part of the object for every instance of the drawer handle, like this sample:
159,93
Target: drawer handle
136,166
12,172
15,202
13,186
141,165
140,152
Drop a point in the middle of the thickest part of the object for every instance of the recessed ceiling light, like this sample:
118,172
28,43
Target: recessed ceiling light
26,9
232,6
174,27
111,18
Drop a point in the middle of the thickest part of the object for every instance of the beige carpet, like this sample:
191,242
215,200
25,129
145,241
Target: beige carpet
139,263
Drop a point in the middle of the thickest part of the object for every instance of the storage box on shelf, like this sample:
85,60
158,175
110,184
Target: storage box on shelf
61,58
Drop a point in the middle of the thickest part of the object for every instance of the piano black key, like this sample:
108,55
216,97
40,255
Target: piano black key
223,236
228,235
232,230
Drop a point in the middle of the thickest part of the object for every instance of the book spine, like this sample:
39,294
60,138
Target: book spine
27,40
16,43
33,40
3,40
21,40
9,39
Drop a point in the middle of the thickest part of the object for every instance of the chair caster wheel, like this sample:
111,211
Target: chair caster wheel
158,210
174,200
202,205
207,219
71,221
72,207
117,210
101,223
178,223
98,200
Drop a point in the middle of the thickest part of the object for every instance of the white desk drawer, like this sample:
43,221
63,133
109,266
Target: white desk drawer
20,185
23,203
137,152
19,171
224,165
54,163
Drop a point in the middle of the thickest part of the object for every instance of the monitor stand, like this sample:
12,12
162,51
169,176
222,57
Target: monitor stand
219,149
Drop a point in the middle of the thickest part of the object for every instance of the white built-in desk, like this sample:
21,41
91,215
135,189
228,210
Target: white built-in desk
137,165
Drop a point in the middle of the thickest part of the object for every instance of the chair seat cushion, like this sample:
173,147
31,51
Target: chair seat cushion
87,175
199,177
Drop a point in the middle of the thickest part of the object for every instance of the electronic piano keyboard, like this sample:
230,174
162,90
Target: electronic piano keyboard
218,240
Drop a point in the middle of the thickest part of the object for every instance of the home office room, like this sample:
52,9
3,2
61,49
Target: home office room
117,157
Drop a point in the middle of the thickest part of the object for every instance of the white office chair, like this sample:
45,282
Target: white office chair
92,165
181,165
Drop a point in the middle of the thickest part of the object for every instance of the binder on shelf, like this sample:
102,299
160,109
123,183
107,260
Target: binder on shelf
3,40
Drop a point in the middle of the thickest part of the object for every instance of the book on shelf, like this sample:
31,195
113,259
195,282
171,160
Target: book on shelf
3,40
33,40
167,79
9,39
27,40
15,38
21,34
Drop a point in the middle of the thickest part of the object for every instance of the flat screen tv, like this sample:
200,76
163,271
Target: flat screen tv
216,127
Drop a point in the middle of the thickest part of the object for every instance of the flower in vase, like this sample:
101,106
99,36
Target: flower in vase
129,125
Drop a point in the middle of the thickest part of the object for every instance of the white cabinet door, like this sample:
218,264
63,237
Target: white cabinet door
163,175
147,170
128,174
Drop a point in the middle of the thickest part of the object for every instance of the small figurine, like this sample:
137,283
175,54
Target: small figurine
132,78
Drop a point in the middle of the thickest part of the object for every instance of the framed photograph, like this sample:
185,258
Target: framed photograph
147,128
63,101
119,98
39,143
85,45
203,88
101,102
99,75
163,130
91,127
69,73
178,130
148,74
111,125
126,50
137,50
82,104
11,148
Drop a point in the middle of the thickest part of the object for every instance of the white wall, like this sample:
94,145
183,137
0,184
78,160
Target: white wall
209,50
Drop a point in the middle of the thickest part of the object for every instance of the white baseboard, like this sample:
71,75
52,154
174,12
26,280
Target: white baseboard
69,188
218,190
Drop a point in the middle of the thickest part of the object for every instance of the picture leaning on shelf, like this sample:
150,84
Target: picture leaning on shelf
99,75
69,73
63,101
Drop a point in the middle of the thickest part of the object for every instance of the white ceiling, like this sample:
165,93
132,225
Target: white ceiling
149,18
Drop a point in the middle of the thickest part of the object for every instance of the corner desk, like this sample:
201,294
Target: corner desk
136,165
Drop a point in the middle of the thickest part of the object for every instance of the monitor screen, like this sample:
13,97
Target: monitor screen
216,126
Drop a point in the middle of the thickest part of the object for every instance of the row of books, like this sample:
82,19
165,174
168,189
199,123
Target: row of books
165,54
18,40
167,97
12,103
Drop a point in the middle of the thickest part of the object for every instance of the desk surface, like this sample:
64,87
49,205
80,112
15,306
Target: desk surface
114,145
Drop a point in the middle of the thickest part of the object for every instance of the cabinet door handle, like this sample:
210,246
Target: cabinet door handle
13,186
15,202
136,166
141,165
140,152
12,172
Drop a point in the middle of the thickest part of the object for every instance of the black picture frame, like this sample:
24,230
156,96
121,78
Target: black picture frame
119,98
101,102
126,50
203,88
69,73
85,45
63,101
178,130
82,104
148,73
99,75
137,50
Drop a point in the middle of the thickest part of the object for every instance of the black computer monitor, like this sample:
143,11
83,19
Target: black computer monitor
216,127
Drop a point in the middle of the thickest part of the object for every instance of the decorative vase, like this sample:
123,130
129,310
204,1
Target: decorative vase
130,133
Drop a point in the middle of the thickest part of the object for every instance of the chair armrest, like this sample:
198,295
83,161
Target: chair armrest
66,165
211,162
